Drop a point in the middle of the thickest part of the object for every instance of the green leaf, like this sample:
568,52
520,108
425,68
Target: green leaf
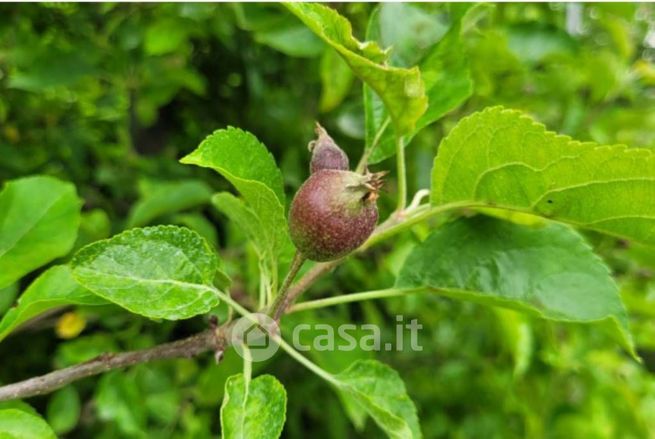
255,408
165,35
274,27
381,392
118,399
18,424
446,73
400,89
18,405
292,39
95,225
63,412
162,272
442,60
501,158
246,219
410,29
550,272
247,164
534,42
198,223
52,289
39,217
241,158
517,336
7,296
167,197
47,67
336,80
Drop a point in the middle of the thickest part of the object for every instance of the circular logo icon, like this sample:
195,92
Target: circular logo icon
257,332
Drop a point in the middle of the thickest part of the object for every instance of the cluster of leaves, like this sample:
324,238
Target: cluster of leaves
518,216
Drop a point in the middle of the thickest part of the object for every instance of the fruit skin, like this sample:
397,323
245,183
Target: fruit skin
333,213
325,153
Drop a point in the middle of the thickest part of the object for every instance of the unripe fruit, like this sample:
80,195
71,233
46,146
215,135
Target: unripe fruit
333,213
325,153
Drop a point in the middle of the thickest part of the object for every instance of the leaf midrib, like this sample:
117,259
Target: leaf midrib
472,204
146,280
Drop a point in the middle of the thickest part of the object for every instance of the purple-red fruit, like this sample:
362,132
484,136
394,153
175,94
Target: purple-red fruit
333,213
325,153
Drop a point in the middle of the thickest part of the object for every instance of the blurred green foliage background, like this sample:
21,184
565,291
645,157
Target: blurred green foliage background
110,96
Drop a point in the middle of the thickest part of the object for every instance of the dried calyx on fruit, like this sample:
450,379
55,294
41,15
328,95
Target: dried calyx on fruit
326,154
334,212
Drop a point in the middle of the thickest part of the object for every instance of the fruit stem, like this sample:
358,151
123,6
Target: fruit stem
402,174
281,302
353,297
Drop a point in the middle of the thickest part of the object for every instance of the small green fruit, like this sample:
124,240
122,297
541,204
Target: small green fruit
333,213
325,153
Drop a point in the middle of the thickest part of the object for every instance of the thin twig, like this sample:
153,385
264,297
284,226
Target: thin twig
280,304
306,281
189,347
